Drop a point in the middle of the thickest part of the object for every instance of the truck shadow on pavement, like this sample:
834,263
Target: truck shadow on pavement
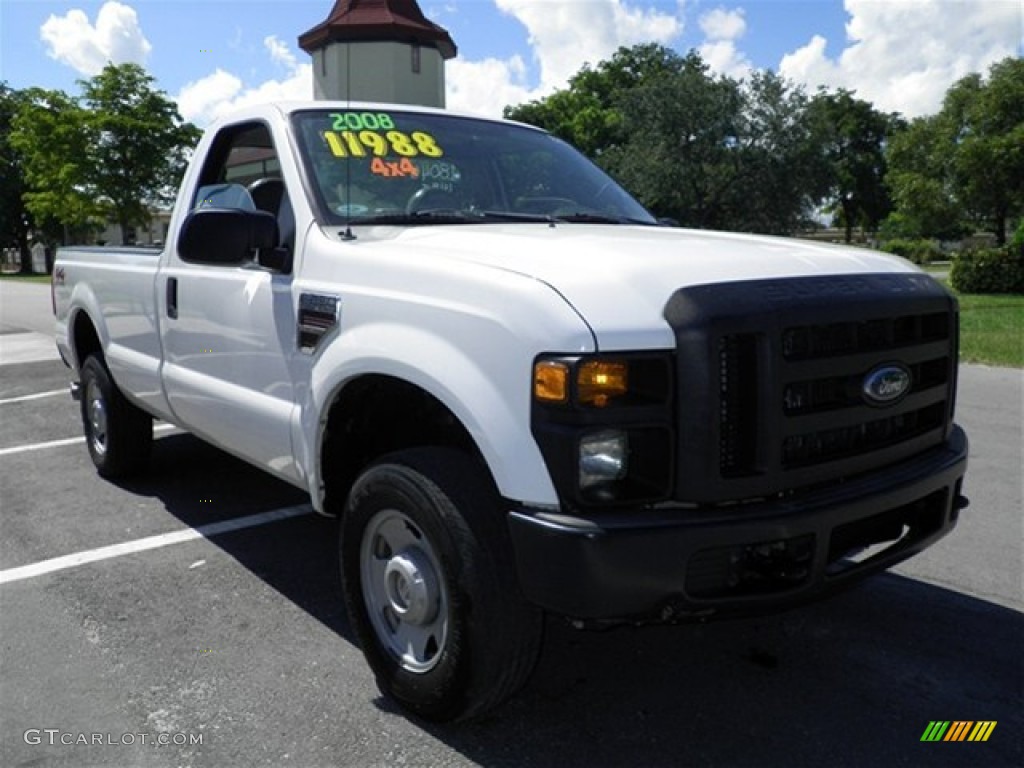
851,681
200,485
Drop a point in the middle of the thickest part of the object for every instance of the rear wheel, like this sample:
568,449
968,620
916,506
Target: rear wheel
430,585
118,434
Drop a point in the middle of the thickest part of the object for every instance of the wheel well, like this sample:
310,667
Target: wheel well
86,340
376,415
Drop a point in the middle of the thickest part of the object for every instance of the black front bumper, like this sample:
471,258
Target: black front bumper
673,563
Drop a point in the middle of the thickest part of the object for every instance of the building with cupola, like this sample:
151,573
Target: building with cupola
379,50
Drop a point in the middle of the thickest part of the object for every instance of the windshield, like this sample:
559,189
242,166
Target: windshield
407,167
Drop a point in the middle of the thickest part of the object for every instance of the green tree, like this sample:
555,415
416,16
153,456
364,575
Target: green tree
707,150
964,165
49,138
852,136
15,220
138,143
718,153
588,114
783,168
918,178
987,165
681,156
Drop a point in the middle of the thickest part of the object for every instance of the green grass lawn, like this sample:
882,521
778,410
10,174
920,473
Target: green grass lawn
992,329
25,278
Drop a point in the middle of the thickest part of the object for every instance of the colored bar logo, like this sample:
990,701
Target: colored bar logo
959,730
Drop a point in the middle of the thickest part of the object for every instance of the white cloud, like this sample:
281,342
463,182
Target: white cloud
280,52
902,55
200,100
485,87
221,93
723,30
724,58
116,38
565,35
721,24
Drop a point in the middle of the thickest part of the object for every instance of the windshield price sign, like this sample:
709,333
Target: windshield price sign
363,134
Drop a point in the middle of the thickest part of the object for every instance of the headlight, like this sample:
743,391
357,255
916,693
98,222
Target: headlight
604,458
605,426
601,382
598,381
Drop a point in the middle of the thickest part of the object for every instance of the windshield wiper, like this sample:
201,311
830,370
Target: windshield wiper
553,218
528,218
451,216
439,216
457,216
596,218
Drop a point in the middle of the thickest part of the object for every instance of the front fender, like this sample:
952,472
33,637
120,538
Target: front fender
488,394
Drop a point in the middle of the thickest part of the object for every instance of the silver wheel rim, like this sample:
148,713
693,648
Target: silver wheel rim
403,591
96,413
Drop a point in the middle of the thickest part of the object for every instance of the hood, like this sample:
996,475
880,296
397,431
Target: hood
619,278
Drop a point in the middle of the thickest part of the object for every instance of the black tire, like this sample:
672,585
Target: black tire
118,434
471,640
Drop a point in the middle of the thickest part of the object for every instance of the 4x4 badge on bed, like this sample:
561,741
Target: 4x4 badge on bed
886,384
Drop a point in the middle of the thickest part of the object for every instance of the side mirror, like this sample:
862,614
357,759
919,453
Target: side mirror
226,236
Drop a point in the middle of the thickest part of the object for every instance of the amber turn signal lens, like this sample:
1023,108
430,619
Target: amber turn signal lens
600,381
551,381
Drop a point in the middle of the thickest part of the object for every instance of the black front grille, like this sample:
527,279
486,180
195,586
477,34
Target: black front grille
844,391
783,368
821,446
867,335
737,404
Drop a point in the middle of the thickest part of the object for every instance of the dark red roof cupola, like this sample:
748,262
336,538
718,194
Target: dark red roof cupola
378,20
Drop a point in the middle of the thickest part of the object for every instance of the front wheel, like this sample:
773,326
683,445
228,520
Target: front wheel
430,586
118,434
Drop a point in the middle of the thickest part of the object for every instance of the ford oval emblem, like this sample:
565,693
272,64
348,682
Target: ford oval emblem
886,385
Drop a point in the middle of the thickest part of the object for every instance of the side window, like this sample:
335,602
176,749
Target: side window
242,170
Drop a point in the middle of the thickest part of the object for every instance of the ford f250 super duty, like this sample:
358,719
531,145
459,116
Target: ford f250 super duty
518,392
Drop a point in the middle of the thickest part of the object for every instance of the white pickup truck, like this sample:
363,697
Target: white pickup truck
517,390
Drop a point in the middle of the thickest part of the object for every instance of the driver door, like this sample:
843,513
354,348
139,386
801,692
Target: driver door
229,331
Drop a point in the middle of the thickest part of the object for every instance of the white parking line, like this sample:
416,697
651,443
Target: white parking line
41,446
37,396
27,347
150,542
66,441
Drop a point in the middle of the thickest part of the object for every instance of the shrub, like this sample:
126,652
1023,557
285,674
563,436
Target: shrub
989,270
1017,241
898,226
919,251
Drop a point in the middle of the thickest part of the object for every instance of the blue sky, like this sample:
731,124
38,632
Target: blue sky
215,55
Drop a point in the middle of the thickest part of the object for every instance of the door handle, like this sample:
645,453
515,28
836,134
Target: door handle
172,298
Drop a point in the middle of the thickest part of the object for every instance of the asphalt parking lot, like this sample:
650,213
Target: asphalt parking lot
119,621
